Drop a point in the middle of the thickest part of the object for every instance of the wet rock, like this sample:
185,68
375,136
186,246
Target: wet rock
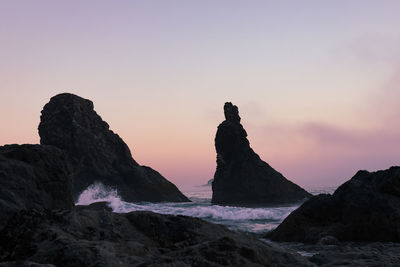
33,177
93,237
371,254
241,177
358,254
97,154
24,264
365,208
328,240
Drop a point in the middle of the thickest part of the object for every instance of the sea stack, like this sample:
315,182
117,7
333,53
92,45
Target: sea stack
97,154
241,177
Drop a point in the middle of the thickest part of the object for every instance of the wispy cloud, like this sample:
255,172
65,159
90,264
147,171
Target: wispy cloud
320,152
376,47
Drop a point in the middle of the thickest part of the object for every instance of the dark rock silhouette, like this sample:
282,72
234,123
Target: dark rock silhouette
33,177
365,208
96,153
92,236
349,253
209,183
242,178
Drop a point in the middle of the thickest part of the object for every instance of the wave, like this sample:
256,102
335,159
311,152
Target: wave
214,212
98,192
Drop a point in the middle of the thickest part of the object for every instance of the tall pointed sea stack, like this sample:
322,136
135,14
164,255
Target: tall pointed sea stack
242,178
97,154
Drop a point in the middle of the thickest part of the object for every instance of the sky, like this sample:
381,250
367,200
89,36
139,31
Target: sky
317,83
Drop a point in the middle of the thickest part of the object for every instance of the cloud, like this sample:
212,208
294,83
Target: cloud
316,153
322,133
374,47
330,135
385,101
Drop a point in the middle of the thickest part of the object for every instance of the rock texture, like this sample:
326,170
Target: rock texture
365,208
96,153
242,178
97,237
33,177
364,254
370,254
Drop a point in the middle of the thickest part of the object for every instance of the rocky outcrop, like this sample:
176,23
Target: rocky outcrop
242,178
349,253
365,208
97,237
33,177
209,182
358,254
97,154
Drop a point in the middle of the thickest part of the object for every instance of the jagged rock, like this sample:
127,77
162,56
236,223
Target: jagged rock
33,177
365,208
96,153
242,178
97,237
365,254
209,183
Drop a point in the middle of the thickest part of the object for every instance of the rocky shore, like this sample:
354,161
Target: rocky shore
364,209
40,226
358,225
94,236
348,253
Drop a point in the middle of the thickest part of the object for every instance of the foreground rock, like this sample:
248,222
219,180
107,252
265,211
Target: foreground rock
97,237
33,177
97,154
349,253
372,254
365,208
242,178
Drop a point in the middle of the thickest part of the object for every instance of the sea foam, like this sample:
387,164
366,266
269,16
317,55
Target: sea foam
97,192
243,218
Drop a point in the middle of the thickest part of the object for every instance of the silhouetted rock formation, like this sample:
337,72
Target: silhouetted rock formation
96,237
33,177
209,183
70,123
349,253
365,208
242,178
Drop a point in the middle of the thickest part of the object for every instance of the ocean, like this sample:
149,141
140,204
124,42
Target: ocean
251,220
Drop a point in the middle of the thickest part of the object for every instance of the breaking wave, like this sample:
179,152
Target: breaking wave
238,218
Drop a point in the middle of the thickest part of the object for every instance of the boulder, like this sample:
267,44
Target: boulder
97,237
241,177
365,208
33,177
97,154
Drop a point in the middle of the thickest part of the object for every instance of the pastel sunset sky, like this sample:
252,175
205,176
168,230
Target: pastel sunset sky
317,83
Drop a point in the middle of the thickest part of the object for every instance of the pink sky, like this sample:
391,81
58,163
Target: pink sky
317,84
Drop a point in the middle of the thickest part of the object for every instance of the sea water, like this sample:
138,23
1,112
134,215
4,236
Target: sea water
254,220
